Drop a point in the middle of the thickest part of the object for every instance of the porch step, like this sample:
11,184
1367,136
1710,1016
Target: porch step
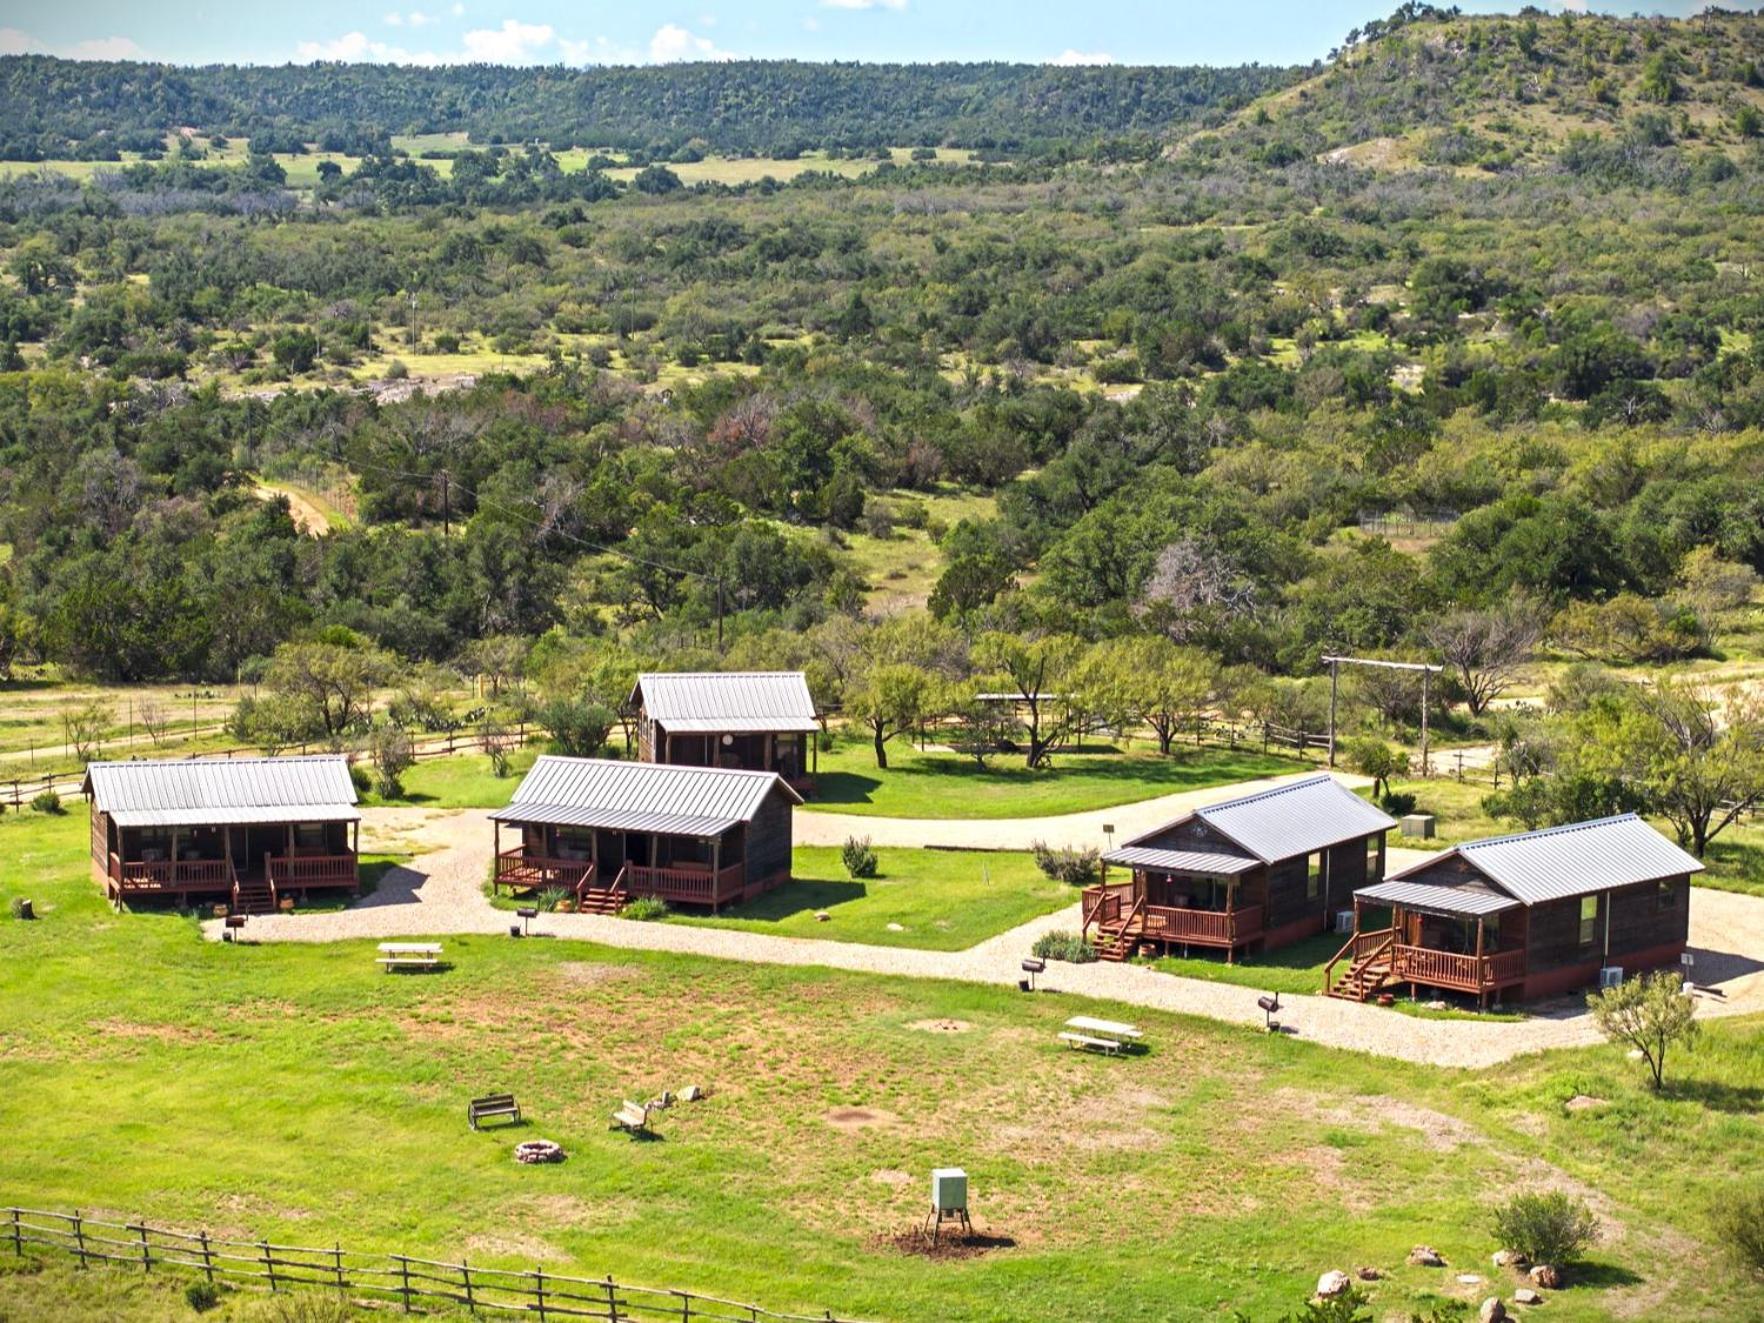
1362,982
1116,946
254,898
601,900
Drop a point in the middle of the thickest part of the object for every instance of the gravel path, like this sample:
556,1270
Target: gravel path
814,827
442,894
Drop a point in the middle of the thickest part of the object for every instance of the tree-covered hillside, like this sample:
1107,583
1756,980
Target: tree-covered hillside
1432,87
52,108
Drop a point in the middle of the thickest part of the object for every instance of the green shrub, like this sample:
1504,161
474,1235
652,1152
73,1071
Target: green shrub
202,1296
645,909
1547,1228
1739,1226
361,778
1075,867
858,857
1397,803
48,802
1070,947
550,898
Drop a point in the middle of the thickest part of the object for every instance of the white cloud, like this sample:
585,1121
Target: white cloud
393,20
16,41
458,10
354,47
811,24
416,18
1071,58
672,43
864,4
512,43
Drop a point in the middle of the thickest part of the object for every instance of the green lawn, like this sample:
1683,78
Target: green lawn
947,785
463,780
295,1092
942,900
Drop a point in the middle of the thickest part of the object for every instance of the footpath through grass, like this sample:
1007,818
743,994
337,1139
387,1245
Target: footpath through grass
295,1092
932,784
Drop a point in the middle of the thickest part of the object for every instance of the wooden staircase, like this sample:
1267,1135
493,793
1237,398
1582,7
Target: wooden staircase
1115,942
253,897
609,899
1368,971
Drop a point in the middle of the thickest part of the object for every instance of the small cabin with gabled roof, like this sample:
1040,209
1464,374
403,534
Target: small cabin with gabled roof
609,831
756,721
252,830
1529,915
1249,874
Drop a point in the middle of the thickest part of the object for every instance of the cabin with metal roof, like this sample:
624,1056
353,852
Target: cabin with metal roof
1250,874
1529,915
761,721
608,831
254,831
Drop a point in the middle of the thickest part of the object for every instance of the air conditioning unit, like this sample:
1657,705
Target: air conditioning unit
1344,921
1610,976
949,1189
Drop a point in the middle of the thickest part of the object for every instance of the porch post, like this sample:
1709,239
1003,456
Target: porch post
174,857
1230,921
716,872
1481,982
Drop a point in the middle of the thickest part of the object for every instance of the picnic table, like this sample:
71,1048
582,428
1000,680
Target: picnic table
409,955
1094,1035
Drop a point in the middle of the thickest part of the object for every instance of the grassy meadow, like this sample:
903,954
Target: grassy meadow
296,1093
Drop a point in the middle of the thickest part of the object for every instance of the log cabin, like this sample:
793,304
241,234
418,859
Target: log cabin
757,721
250,830
610,831
1250,874
1524,916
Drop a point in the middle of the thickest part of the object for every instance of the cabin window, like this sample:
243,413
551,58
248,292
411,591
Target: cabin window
1314,879
309,836
1666,897
1589,919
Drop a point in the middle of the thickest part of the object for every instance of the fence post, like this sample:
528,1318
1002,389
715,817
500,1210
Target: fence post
80,1237
337,1260
207,1258
539,1290
612,1301
146,1252
17,1238
269,1264
404,1280
465,1272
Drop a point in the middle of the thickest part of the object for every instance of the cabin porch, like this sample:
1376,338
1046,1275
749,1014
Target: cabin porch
1472,946
1174,909
793,755
604,867
253,866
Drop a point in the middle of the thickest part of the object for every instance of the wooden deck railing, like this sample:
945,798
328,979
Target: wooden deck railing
689,886
311,870
1171,923
1460,973
166,875
1106,904
1360,946
519,871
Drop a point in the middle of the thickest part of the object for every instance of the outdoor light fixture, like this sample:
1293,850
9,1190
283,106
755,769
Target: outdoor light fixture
1270,1005
728,740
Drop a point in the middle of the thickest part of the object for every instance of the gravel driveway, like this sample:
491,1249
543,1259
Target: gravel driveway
442,893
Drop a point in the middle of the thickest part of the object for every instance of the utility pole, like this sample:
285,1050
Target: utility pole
1427,673
1334,688
719,614
446,505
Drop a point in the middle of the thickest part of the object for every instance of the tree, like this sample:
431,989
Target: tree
889,698
154,719
497,659
1649,1014
1378,760
392,752
1162,684
982,727
1193,586
1486,647
496,742
330,681
1697,759
578,728
1039,672
84,726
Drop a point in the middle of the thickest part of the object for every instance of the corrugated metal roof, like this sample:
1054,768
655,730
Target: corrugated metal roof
1182,861
627,796
712,702
1558,863
1290,820
185,791
1433,896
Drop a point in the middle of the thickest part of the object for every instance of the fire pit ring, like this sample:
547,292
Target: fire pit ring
538,1150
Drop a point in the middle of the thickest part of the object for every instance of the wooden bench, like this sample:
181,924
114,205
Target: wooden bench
632,1117
495,1104
1109,1045
409,955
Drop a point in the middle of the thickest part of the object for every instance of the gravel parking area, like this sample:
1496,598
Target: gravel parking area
441,892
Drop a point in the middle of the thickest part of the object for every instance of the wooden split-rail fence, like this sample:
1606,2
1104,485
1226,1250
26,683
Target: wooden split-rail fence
406,1282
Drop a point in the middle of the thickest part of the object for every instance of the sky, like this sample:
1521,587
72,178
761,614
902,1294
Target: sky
580,32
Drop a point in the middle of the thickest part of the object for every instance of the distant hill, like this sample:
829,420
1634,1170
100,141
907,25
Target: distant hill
54,109
1435,88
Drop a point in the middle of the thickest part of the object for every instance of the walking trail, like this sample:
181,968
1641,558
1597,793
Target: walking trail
442,893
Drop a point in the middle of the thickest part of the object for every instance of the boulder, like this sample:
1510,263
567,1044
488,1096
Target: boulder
1469,1279
691,1093
1332,1284
821,916
1369,1275
1526,1296
1548,1276
1425,1256
1510,1259
1492,1311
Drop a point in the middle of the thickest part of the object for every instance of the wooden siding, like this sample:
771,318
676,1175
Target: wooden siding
769,839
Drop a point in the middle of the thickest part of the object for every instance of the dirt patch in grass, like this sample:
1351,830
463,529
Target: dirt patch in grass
949,1245
1439,1131
859,1118
1583,1102
941,1026
892,1177
515,1246
159,1033
590,974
